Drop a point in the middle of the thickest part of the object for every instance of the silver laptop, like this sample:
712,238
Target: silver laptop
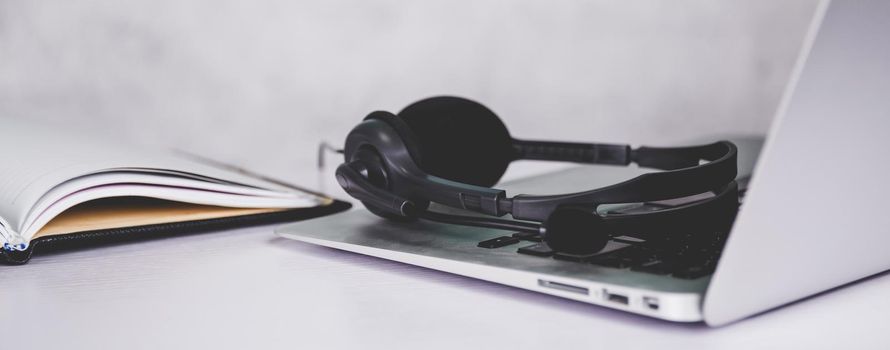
812,218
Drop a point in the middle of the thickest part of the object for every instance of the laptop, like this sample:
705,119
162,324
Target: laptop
811,218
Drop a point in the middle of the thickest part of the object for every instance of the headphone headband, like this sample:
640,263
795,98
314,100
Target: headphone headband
589,153
680,182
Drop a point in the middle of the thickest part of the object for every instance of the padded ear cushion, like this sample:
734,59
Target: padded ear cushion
461,140
403,131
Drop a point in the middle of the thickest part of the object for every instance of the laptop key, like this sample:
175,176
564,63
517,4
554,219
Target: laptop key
572,257
610,261
611,247
502,241
693,272
638,255
540,249
655,267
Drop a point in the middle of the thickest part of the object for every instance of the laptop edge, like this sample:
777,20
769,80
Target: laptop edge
813,218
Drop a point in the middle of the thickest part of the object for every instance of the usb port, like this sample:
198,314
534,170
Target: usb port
616,298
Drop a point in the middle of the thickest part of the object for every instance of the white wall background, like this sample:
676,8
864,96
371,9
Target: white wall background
259,83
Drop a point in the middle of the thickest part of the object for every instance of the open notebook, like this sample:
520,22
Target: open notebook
61,187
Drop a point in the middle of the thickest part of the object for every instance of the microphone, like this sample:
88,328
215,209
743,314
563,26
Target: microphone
576,229
360,188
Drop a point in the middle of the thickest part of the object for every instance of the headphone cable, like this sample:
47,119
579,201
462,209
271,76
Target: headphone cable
500,224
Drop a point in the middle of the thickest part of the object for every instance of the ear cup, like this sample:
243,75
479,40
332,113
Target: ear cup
404,132
368,164
461,140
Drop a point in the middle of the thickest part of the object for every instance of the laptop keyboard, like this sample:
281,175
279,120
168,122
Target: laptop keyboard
691,259
681,256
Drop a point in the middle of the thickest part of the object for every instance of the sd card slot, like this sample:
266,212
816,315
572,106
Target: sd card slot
563,287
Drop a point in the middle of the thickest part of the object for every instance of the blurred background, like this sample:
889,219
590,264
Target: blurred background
260,83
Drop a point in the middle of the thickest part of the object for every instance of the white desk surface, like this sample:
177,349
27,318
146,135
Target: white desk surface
249,289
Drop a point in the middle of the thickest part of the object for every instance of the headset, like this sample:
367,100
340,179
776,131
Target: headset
451,151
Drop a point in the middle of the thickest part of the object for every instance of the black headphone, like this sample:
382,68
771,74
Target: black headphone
451,150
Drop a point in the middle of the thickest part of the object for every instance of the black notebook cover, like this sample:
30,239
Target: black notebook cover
96,238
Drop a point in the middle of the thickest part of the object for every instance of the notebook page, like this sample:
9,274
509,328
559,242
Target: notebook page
36,158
